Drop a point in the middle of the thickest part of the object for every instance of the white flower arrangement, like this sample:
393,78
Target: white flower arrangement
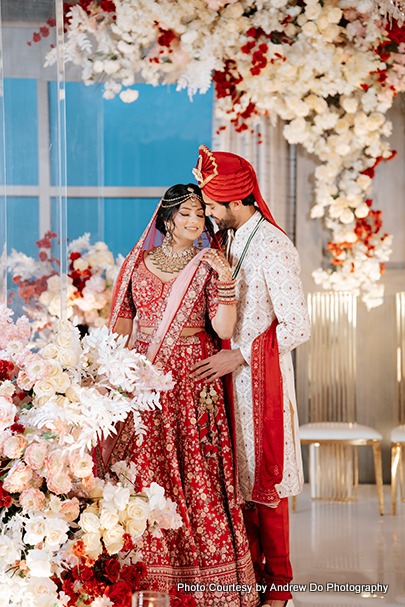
57,520
91,275
330,69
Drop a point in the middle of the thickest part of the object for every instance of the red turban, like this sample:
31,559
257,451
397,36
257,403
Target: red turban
226,177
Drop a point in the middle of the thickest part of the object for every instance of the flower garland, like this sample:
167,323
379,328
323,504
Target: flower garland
91,275
329,68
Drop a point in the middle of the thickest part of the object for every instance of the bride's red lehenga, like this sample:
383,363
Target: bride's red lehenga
187,450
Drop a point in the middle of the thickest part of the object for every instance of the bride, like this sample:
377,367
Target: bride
184,300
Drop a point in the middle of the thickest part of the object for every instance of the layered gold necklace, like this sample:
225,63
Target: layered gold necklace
170,262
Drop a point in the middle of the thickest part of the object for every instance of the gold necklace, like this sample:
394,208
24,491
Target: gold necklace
170,262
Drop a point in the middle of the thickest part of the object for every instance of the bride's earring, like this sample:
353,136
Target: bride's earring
168,239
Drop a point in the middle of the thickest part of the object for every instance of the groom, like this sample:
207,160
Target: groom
272,321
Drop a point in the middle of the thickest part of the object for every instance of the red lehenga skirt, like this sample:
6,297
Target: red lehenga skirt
187,450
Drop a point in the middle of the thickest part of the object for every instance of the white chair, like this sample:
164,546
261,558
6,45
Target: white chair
333,434
398,434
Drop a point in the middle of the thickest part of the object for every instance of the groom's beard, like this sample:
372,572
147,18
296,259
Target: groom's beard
226,222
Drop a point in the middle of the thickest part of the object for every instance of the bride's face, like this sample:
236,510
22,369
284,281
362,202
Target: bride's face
189,221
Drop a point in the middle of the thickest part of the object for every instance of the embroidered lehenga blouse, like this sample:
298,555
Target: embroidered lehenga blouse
187,449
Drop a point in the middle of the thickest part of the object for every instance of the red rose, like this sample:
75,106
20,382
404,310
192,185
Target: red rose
120,594
111,570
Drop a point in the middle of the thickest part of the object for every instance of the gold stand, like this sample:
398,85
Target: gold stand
397,469
335,477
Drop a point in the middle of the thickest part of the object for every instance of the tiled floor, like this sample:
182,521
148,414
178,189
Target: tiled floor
348,543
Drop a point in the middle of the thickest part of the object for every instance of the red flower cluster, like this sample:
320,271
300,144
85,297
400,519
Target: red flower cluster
225,86
6,368
166,37
179,599
43,31
79,277
103,577
46,241
5,498
107,6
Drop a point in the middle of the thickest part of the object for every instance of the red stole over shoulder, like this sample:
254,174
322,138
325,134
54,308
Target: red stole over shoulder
267,393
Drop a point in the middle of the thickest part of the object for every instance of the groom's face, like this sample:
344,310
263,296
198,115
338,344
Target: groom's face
221,214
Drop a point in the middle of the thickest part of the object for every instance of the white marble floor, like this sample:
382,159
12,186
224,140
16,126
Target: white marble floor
348,544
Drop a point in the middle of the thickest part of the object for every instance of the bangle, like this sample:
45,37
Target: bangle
227,302
225,284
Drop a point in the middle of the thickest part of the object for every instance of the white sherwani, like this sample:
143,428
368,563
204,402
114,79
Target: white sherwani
267,286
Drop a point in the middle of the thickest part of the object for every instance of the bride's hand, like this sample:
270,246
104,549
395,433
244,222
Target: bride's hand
217,261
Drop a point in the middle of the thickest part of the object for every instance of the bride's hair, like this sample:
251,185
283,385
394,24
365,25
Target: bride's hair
171,202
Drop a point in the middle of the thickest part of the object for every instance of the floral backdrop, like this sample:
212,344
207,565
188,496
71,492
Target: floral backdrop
329,68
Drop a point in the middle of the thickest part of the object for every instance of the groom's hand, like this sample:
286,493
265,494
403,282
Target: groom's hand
217,366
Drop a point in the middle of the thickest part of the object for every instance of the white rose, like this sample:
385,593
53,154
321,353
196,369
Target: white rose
49,351
290,30
351,236
9,553
39,562
35,530
62,382
334,14
137,509
310,2
80,264
135,528
89,522
313,12
129,95
365,6
363,181
113,539
93,544
322,22
7,413
98,67
42,588
56,533
362,211
310,29
45,387
45,298
53,283
347,216
64,339
111,66
331,32
109,519
54,368
67,357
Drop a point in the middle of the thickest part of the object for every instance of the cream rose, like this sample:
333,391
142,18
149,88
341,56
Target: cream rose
313,12
362,211
347,216
56,533
93,544
7,413
89,522
137,509
32,499
43,588
35,455
49,351
113,539
62,382
35,530
80,264
9,553
135,527
310,29
109,519
67,357
45,387
64,339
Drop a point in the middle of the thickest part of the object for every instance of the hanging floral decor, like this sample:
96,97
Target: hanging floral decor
329,68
